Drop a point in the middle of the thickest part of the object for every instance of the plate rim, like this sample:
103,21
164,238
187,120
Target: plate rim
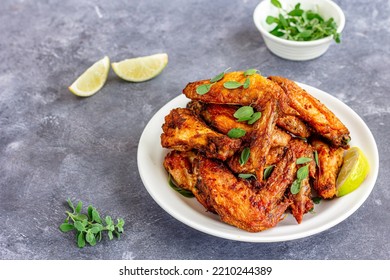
254,237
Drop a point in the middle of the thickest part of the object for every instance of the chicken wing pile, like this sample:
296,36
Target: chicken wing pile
252,171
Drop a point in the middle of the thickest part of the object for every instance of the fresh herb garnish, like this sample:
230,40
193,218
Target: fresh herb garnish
232,84
236,133
244,155
219,76
302,173
246,175
250,72
254,118
246,83
183,192
203,89
246,113
267,171
301,25
316,200
89,227
303,160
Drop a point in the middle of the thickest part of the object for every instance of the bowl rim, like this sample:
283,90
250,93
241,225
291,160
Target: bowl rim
317,42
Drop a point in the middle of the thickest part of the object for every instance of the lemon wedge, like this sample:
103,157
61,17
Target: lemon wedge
353,172
140,69
92,80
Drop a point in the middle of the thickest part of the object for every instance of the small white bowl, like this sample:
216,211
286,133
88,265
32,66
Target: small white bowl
297,50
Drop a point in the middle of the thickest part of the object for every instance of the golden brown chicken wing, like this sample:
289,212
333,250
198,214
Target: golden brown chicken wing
259,92
183,168
330,160
184,131
238,203
302,201
313,112
221,117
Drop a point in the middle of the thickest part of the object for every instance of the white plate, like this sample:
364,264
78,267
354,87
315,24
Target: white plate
187,210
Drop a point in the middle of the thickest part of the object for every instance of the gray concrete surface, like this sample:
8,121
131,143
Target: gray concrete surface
54,145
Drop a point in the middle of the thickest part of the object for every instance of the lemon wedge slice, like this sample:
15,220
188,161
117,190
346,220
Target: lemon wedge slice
140,69
92,80
353,172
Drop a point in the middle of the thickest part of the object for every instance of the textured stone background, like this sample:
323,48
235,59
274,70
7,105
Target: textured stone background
54,145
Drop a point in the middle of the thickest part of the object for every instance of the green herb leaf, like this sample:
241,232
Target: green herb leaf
110,236
183,192
246,176
276,3
65,227
96,228
244,112
254,118
316,200
70,204
80,240
79,226
203,89
236,133
303,172
268,171
217,77
89,211
78,207
250,72
247,83
90,237
303,160
96,216
270,20
244,155
232,85
295,187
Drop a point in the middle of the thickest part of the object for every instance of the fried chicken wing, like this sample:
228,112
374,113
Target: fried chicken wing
330,160
259,92
183,168
184,131
238,203
313,112
302,201
294,125
221,117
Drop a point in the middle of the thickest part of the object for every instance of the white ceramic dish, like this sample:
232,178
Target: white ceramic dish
294,50
187,210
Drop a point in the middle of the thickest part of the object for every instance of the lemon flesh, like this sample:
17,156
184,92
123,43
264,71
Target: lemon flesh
140,69
92,80
353,172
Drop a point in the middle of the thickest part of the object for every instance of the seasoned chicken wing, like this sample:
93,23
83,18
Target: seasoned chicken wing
330,160
302,201
184,131
259,92
183,168
313,112
238,203
221,117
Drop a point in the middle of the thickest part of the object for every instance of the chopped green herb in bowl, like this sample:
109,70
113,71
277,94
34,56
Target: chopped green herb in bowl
299,29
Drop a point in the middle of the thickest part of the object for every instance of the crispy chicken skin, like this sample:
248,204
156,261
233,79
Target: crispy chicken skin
302,202
221,117
259,92
184,131
183,168
238,203
330,160
294,125
262,138
313,112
